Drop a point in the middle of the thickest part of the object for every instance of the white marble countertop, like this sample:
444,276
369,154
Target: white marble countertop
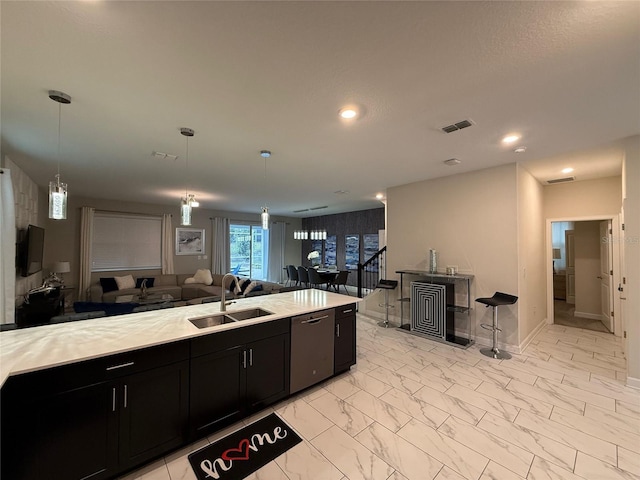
31,349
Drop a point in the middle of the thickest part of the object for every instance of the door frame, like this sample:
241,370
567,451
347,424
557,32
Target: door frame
616,278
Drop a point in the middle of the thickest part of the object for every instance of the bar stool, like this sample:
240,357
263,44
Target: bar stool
386,285
498,299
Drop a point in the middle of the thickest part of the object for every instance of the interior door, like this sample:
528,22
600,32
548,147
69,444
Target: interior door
622,285
569,242
606,290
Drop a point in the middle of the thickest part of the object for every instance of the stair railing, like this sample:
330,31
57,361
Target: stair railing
369,272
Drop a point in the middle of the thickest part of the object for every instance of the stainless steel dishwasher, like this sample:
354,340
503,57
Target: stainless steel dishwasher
312,337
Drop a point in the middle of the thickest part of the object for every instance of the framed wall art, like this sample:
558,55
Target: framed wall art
190,241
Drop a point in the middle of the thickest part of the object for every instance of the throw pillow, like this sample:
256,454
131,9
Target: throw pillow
203,275
108,284
252,287
189,280
149,280
125,282
239,285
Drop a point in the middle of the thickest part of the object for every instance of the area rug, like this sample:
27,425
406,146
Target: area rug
241,453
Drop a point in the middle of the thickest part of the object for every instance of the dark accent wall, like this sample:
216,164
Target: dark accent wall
341,224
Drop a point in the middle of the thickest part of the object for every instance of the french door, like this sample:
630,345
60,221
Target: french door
249,251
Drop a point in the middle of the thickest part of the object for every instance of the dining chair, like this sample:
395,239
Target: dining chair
292,273
303,276
341,279
315,280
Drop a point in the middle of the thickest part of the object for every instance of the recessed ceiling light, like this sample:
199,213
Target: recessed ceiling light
348,113
379,196
520,149
512,137
341,192
452,161
567,170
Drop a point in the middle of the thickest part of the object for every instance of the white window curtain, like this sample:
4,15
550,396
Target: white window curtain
7,248
86,240
220,245
167,244
277,236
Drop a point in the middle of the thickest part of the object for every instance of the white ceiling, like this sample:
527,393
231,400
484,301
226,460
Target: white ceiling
248,76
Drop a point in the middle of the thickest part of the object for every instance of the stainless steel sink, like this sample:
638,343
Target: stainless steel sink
231,317
248,314
211,321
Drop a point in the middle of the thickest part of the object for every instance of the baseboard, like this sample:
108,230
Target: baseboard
525,343
633,382
590,316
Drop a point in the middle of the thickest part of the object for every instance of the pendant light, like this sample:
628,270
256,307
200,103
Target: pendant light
57,189
186,202
265,211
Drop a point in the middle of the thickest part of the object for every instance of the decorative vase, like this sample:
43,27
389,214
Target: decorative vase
143,289
433,261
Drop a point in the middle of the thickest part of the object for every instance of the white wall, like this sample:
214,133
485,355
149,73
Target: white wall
587,261
631,305
471,220
587,198
532,305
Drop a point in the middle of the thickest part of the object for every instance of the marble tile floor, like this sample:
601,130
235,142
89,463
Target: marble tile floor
416,409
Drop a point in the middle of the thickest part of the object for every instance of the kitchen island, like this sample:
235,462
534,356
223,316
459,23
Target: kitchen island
100,397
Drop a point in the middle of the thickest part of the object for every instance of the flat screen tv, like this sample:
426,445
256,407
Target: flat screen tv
31,251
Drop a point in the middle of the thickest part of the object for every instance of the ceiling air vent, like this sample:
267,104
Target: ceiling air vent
162,156
561,180
318,208
457,126
300,211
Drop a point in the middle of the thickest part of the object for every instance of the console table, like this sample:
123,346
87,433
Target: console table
446,298
41,308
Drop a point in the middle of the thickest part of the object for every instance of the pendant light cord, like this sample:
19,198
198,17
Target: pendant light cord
265,181
186,192
59,129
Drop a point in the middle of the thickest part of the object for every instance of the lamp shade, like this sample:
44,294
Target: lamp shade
557,254
61,267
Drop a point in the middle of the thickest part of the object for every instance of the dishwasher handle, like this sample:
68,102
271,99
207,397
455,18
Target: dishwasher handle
314,320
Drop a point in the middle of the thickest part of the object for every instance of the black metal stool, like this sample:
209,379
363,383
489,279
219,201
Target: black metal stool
386,285
498,299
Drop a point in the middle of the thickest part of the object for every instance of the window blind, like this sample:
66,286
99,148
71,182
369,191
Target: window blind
126,242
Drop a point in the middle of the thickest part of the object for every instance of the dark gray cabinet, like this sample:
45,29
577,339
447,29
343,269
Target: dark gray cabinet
153,411
237,372
345,338
97,418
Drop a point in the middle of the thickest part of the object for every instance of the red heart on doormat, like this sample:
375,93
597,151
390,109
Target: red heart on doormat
240,453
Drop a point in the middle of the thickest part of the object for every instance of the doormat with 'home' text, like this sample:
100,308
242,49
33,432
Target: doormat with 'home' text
241,453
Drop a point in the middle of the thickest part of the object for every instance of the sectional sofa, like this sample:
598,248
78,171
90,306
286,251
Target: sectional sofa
174,285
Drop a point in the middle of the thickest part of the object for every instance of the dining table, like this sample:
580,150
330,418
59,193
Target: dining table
327,276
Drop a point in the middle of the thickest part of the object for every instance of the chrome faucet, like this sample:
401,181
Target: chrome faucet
223,302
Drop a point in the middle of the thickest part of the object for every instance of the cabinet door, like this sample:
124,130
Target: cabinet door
76,436
153,409
217,390
345,343
267,371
